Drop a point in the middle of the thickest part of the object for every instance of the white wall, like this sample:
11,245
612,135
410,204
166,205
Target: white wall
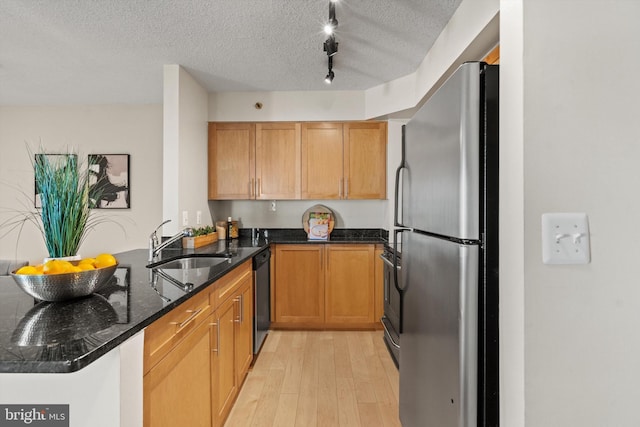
116,129
185,150
288,214
580,148
284,106
511,210
469,35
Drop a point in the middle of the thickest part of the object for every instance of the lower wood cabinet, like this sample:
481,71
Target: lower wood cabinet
244,328
194,367
324,285
224,379
299,284
177,391
232,351
349,294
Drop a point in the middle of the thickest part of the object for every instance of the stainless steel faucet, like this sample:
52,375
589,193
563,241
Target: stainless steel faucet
155,246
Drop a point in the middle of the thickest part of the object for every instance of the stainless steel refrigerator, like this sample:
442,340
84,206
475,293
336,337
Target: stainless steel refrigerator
449,233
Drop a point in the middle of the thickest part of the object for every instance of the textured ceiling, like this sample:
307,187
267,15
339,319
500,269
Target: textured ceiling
113,51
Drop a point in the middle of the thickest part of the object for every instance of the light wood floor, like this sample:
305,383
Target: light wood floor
319,378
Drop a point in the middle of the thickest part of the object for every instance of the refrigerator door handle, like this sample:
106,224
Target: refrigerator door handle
396,267
396,221
397,195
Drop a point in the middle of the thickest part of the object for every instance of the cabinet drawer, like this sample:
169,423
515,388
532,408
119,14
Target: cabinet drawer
165,333
226,286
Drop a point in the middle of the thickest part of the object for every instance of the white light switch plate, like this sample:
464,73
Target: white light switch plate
565,238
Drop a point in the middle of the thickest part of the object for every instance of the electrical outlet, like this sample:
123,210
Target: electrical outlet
198,217
273,206
185,217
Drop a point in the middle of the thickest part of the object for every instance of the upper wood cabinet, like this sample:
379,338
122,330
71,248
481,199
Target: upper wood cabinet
322,161
254,161
231,161
284,160
278,160
365,160
344,160
493,57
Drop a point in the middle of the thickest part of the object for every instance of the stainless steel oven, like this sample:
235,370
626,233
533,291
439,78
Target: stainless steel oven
392,318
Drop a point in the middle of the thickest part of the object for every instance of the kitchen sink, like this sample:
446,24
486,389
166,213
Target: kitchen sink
191,262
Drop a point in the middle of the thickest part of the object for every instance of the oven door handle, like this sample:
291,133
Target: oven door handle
386,332
389,263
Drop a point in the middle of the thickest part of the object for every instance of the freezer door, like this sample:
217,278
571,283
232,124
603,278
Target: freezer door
442,149
438,358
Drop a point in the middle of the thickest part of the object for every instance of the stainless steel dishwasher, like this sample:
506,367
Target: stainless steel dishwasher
261,298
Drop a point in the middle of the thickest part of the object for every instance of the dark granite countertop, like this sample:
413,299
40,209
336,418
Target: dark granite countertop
339,235
66,336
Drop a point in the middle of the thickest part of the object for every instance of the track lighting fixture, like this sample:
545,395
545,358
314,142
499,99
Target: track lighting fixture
330,45
331,26
329,78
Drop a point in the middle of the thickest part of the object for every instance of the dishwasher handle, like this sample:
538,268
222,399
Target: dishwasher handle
261,258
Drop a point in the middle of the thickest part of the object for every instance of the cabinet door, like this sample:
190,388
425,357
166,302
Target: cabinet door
299,284
365,160
224,380
231,161
244,328
322,161
177,391
278,160
349,295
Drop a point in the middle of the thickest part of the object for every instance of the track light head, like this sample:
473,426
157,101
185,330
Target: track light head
329,78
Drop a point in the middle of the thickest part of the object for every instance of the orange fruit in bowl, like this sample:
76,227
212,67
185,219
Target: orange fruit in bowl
53,266
57,266
87,261
27,269
105,260
84,266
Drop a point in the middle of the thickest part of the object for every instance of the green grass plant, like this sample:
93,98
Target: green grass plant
65,205
64,216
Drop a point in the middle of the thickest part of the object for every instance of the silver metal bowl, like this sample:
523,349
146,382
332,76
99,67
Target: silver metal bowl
64,286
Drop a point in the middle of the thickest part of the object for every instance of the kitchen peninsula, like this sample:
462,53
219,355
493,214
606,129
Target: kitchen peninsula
88,353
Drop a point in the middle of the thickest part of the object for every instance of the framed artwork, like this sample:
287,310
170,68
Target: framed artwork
57,161
117,293
109,181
